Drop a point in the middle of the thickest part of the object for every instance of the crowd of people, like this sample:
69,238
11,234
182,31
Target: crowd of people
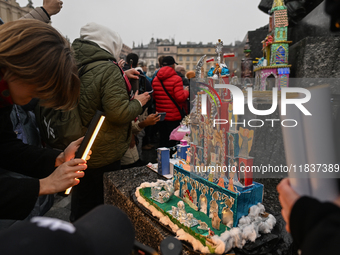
38,66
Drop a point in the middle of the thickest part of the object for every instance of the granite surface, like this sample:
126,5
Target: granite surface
119,185
316,23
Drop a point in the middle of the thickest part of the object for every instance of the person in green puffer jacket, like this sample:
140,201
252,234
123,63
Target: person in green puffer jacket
103,88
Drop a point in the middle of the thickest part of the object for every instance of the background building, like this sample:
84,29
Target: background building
125,51
147,54
189,54
10,10
166,48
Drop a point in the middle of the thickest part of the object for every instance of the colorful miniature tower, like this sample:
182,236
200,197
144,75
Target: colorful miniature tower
273,69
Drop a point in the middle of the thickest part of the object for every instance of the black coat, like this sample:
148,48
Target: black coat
184,79
18,195
22,158
315,226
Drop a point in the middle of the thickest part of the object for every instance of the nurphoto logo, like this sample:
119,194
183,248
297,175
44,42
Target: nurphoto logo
239,102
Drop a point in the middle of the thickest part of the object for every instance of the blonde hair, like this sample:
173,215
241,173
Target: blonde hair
37,54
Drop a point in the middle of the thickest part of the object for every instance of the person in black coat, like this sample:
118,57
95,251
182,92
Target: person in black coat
315,226
35,61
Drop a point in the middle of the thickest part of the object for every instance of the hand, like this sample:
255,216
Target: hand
65,176
52,6
186,88
121,63
143,98
70,152
152,119
132,73
287,197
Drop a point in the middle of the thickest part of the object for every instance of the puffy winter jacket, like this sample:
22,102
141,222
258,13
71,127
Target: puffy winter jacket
174,85
103,88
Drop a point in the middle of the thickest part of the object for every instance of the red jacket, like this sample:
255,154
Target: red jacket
174,85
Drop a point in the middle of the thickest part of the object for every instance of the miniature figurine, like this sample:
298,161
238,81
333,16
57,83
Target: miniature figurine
245,137
188,199
203,225
221,181
231,181
203,205
174,211
211,233
190,217
211,177
217,69
181,208
215,221
231,185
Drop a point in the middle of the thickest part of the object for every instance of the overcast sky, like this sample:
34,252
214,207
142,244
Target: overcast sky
183,20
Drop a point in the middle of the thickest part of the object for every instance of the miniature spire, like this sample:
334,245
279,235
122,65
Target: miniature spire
218,50
278,4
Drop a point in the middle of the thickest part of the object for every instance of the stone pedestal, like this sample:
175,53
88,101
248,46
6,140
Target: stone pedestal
316,57
119,185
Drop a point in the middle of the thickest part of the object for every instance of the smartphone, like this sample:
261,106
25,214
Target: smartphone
90,135
89,138
162,114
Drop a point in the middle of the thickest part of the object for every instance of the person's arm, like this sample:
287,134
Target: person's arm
27,159
151,120
180,94
19,195
315,226
44,13
115,99
64,177
52,7
22,158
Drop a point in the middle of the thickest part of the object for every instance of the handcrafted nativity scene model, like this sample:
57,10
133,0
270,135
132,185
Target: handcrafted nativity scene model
273,70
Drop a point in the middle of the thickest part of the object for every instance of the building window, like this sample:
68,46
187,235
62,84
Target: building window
188,50
235,65
194,59
209,50
168,49
164,49
180,58
188,58
188,67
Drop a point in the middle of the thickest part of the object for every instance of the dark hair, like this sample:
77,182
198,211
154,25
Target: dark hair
37,54
134,57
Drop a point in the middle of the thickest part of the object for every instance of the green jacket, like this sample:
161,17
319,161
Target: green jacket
103,88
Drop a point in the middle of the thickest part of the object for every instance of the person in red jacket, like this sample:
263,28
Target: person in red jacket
174,85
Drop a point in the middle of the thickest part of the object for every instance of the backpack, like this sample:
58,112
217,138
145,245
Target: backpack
59,128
